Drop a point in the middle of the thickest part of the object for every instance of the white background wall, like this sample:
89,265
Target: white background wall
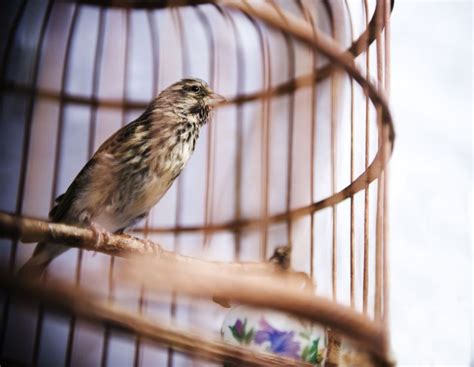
431,183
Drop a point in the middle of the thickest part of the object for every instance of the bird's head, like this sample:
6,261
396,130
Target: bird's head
191,99
282,257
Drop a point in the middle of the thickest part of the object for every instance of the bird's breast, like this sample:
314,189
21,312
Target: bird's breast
139,188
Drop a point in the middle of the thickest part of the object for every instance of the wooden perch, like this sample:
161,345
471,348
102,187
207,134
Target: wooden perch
33,230
83,304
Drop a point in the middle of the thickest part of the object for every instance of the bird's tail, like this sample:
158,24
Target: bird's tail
44,253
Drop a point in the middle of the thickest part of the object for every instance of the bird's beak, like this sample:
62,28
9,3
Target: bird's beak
216,99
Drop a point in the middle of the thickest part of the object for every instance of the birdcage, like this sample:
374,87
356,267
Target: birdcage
297,156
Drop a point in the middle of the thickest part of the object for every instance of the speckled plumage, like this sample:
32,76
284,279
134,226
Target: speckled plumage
134,168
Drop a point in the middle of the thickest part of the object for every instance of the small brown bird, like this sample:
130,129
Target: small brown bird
132,169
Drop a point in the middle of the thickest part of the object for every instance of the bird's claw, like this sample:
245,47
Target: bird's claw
101,235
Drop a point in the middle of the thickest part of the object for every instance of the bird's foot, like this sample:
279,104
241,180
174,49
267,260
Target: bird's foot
101,234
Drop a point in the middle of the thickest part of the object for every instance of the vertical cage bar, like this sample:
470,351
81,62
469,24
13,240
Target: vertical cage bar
178,23
291,112
91,139
379,208
111,283
154,45
208,195
366,165
291,117
386,279
333,137
352,209
266,81
266,124
312,136
54,193
265,143
239,133
333,151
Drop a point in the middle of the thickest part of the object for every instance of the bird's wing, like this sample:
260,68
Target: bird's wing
64,201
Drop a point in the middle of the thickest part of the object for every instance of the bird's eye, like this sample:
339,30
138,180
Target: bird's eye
195,88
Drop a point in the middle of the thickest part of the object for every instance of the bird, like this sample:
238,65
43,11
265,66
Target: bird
133,168
281,257
281,260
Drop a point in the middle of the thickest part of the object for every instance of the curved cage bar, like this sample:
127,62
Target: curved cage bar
297,156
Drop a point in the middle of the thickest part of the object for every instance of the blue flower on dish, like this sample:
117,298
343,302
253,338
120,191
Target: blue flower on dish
281,342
